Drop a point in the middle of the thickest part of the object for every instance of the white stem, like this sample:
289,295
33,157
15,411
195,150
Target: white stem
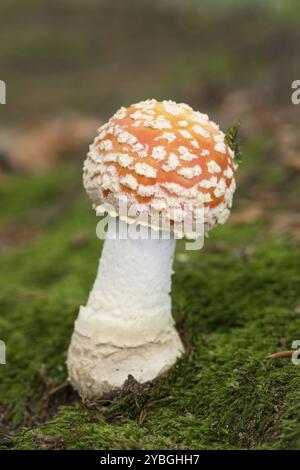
128,310
130,301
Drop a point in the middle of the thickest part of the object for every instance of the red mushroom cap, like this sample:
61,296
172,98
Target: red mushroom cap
162,157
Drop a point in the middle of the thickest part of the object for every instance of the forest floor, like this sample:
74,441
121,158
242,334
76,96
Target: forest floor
235,302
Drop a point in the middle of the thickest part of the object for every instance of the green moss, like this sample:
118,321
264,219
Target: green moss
232,310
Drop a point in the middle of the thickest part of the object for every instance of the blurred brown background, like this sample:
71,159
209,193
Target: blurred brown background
69,64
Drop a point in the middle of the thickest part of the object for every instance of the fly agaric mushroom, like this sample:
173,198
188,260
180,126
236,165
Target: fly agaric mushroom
160,156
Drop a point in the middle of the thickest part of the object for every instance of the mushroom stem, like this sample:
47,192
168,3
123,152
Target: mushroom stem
126,328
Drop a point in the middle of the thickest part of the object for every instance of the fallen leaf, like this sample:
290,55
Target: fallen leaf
40,146
143,415
49,442
281,354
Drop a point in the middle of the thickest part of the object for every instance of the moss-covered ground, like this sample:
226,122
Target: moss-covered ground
234,302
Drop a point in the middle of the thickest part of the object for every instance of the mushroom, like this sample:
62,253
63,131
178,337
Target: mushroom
164,159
